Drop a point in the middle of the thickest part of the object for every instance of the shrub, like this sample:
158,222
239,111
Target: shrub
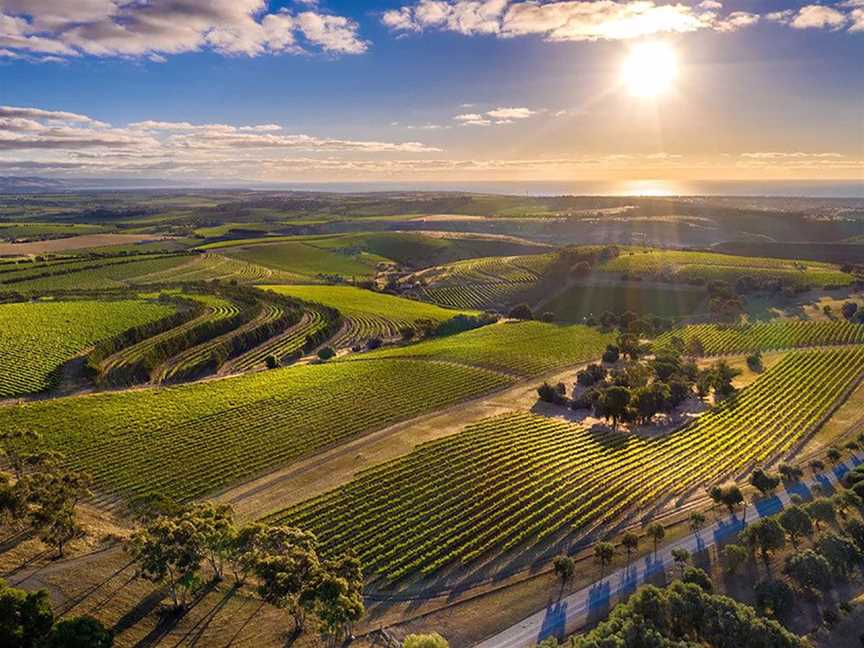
326,353
271,361
521,312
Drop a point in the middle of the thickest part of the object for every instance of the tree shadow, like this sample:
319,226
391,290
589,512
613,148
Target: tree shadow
171,617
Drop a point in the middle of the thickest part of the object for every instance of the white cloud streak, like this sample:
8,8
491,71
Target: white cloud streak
70,28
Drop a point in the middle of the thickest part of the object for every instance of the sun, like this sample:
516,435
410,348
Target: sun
650,69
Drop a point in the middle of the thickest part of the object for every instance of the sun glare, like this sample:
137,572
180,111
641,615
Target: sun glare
650,69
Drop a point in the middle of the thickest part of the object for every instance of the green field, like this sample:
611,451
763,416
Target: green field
518,348
29,230
368,314
518,478
766,336
207,267
584,300
36,338
191,440
701,267
304,258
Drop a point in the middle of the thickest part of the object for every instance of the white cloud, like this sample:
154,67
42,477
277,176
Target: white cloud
737,20
156,28
818,17
511,113
497,116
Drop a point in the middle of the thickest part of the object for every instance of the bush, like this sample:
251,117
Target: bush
548,316
433,640
521,312
271,361
591,375
551,394
849,309
326,353
374,343
698,577
611,354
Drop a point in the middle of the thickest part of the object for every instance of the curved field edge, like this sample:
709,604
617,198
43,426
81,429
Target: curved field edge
519,479
39,337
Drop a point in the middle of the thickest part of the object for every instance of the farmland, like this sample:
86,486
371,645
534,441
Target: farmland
702,267
38,337
520,478
594,298
191,440
368,314
765,336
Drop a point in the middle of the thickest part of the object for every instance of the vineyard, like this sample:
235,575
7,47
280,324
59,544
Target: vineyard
368,314
206,267
519,478
521,349
191,440
702,267
491,282
36,338
306,260
765,336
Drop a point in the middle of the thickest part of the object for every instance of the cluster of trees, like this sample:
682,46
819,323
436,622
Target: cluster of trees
724,303
630,322
27,621
175,544
635,391
460,323
41,495
836,549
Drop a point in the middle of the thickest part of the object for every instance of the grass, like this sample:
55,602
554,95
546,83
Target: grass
39,337
583,300
519,348
519,478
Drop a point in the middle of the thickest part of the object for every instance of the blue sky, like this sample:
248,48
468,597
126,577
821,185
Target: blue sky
431,90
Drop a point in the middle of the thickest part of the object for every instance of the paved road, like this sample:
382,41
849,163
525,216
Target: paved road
593,602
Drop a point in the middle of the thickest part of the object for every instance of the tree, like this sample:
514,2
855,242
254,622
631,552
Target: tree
521,312
550,394
733,557
407,333
769,537
52,497
698,577
612,404
723,376
169,550
80,632
611,354
766,483
564,567
651,400
604,552
796,522
834,456
810,570
855,529
694,347
844,500
325,353
656,532
817,466
754,361
287,570
789,472
433,640
849,309
271,361
697,521
216,527
774,598
629,346
681,557
19,447
630,542
25,617
335,595
729,495
841,552
821,510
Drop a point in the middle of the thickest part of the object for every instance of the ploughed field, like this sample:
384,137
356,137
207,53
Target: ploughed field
519,478
37,338
765,336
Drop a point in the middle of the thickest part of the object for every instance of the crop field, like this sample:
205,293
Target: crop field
518,348
692,267
85,274
766,336
519,478
38,337
368,314
280,346
583,300
190,440
206,267
304,258
491,282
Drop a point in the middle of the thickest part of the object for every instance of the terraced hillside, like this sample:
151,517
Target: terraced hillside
206,267
36,338
764,336
368,314
519,478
